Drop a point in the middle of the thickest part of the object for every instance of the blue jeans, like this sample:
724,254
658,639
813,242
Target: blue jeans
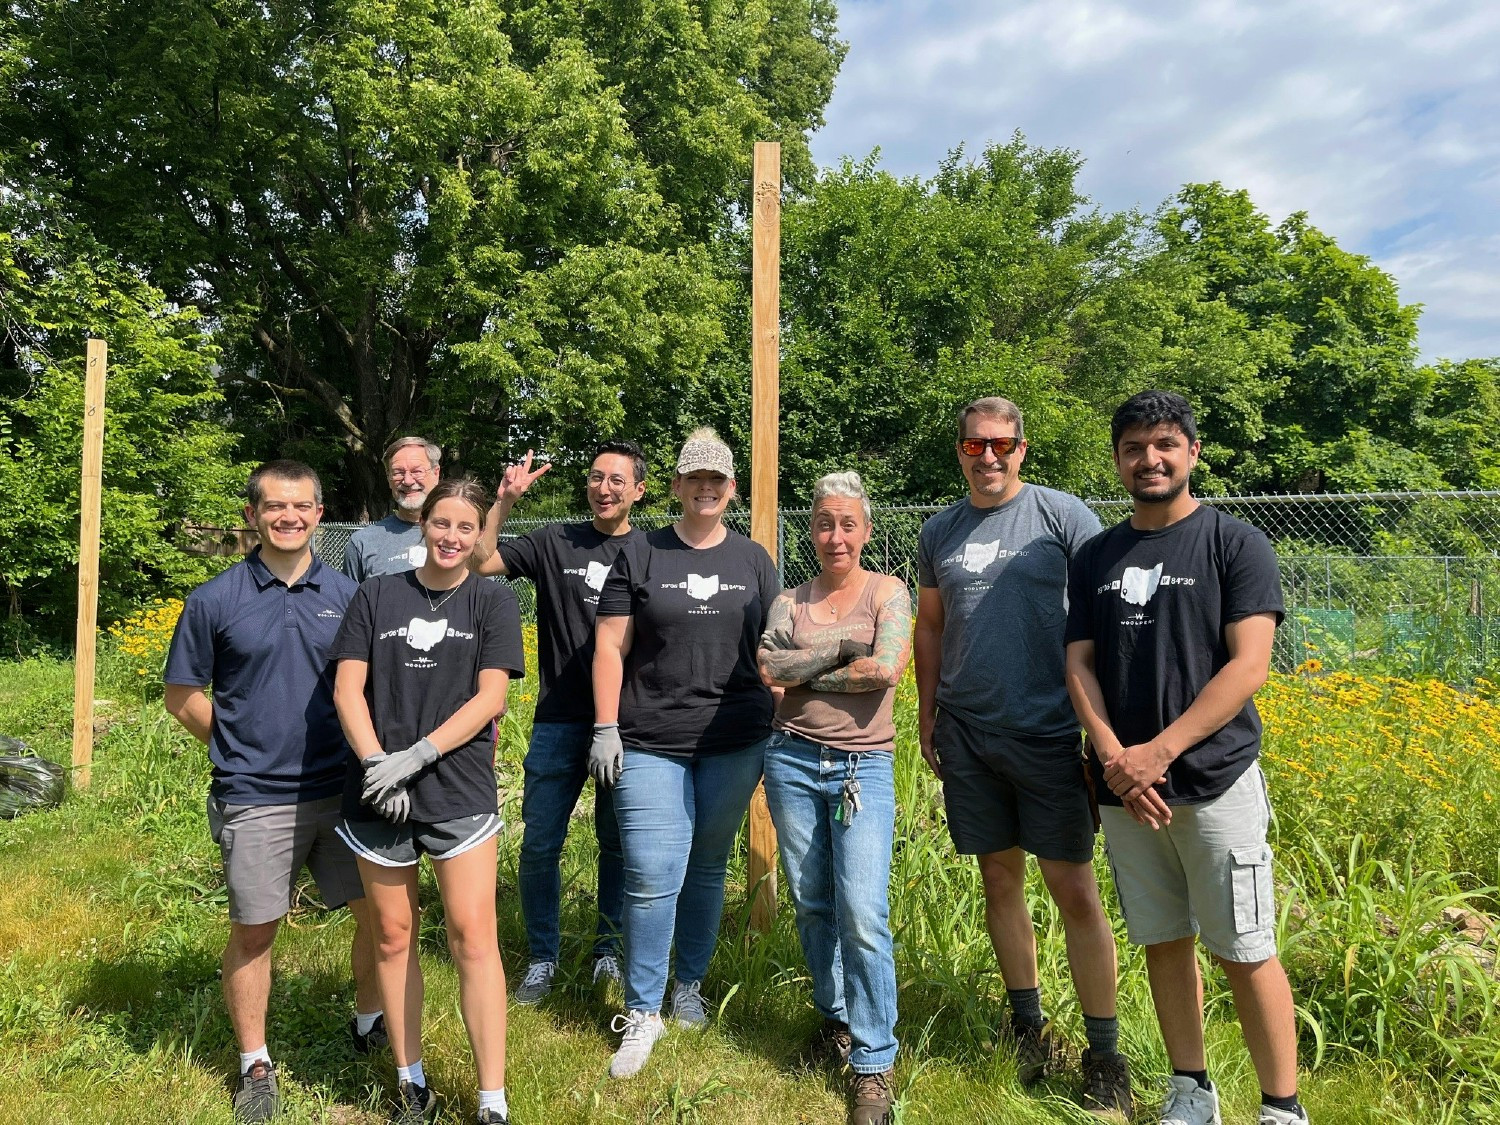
839,873
679,818
556,768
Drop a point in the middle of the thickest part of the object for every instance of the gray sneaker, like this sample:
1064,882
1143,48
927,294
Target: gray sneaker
688,1009
257,1098
640,1031
1272,1115
1189,1103
537,982
607,970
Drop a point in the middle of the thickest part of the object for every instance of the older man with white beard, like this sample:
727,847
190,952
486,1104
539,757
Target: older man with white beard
394,544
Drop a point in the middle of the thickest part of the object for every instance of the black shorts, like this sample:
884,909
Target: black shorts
1002,793
402,845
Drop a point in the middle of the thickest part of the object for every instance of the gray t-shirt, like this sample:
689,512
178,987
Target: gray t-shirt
388,546
1002,574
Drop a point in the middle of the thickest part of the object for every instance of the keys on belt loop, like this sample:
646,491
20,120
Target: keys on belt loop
849,797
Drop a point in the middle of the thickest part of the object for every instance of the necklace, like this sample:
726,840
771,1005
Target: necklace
441,601
833,608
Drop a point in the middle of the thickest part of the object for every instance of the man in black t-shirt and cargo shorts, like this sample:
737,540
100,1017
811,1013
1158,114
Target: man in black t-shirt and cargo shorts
1170,623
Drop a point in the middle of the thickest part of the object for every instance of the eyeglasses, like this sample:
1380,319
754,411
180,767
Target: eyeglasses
614,481
414,474
999,446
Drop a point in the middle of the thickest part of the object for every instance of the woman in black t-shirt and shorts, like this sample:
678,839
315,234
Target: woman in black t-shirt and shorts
424,660
682,720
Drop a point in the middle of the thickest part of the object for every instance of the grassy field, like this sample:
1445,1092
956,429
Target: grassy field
112,917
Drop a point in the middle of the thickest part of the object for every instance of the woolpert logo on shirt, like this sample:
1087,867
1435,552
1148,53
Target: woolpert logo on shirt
416,554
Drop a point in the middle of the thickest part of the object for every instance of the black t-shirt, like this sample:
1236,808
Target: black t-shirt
568,562
691,682
1155,604
424,666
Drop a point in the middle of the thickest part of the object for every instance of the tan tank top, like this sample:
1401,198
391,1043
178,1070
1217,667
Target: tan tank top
848,721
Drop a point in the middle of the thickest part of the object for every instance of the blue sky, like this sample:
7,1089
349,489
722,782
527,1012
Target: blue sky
1379,119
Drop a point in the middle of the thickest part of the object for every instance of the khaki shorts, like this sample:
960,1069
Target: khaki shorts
1207,873
265,848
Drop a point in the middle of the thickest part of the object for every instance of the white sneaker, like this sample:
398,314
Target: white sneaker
641,1031
607,969
1189,1103
1271,1115
688,1009
537,982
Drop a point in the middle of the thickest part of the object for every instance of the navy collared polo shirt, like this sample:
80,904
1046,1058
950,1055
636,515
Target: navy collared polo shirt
263,645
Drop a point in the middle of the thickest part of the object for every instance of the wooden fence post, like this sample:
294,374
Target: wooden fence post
765,356
88,562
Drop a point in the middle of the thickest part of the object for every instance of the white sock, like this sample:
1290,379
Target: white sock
494,1099
363,1021
250,1058
411,1073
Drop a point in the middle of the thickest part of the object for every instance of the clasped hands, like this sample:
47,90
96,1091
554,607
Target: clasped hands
1132,775
388,775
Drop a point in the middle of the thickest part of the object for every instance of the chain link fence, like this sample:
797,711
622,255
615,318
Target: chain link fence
1403,582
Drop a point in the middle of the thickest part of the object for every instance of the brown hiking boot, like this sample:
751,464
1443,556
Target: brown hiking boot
1106,1086
830,1044
1037,1052
871,1104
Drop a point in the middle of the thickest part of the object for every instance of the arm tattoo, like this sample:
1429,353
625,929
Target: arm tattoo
787,664
892,651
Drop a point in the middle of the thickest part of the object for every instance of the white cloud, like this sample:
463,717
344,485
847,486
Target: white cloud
1381,120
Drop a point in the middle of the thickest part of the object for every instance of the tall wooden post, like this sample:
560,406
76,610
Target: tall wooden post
765,357
88,562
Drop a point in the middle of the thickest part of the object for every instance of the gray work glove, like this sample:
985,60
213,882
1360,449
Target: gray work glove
850,651
606,754
395,808
393,771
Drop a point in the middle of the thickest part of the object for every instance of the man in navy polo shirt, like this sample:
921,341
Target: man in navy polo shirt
259,635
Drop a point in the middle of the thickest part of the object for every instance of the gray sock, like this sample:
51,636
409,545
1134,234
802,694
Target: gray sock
1103,1034
1025,1007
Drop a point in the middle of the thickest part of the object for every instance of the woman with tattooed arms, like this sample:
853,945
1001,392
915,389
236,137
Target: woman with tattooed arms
837,646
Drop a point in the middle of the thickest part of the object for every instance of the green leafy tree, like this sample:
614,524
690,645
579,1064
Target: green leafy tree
1340,393
167,457
483,219
904,299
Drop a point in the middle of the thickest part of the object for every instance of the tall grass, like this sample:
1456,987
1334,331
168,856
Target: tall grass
112,919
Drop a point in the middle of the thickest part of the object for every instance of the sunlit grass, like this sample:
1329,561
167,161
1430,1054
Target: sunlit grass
112,920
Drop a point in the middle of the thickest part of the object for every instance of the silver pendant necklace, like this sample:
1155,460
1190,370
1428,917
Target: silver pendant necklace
441,601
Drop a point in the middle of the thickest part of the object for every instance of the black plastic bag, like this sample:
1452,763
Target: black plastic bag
27,782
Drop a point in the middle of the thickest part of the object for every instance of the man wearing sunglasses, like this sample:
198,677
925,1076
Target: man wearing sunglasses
997,727
394,545
568,563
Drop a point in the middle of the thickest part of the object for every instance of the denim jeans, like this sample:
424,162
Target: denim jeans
556,768
838,872
679,818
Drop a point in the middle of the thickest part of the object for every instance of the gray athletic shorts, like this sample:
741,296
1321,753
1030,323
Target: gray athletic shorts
1003,793
402,845
1207,873
265,847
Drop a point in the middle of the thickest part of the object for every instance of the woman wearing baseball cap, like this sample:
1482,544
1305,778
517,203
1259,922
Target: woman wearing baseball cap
682,719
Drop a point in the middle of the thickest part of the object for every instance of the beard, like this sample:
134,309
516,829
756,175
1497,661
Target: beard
1173,491
411,501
